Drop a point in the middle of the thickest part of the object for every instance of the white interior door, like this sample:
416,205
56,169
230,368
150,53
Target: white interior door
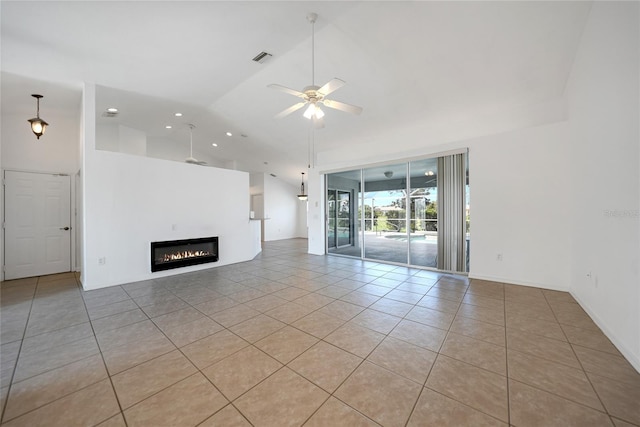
37,224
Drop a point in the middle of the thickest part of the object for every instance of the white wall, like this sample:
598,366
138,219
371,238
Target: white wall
55,151
130,201
603,95
281,209
519,206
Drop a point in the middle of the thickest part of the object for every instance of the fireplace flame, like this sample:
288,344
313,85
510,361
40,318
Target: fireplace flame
176,256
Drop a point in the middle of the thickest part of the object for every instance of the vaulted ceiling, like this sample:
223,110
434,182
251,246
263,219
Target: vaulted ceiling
404,62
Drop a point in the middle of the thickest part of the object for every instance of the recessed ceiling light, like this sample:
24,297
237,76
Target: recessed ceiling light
178,114
229,134
214,144
112,110
168,127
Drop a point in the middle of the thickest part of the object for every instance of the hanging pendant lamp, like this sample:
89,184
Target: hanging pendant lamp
38,126
302,196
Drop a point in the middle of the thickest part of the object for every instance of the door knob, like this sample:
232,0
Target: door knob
64,228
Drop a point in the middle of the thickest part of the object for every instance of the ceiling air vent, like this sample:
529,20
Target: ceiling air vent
261,57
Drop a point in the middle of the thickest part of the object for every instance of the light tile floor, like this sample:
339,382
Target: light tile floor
295,339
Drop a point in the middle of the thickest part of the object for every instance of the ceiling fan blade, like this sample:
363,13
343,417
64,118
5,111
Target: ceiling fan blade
337,105
318,123
287,90
290,110
331,86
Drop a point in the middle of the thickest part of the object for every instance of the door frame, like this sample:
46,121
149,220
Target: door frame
73,215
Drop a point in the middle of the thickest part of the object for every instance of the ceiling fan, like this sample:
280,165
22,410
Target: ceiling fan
313,95
192,160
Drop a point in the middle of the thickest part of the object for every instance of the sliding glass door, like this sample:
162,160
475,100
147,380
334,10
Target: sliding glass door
414,213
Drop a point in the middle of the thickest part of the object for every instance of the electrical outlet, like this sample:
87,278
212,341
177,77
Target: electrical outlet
499,257
102,261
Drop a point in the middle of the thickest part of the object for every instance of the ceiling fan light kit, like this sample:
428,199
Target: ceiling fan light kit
312,96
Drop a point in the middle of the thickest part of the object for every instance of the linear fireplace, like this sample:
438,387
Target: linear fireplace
181,253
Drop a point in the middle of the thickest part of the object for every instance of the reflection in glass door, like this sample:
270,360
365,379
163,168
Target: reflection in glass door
343,231
331,219
423,196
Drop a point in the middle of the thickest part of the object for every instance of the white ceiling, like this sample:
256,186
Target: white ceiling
403,62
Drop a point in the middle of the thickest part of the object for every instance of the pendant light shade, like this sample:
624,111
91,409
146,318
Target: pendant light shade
302,196
38,126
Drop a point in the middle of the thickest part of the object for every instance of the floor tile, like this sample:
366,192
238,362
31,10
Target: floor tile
336,414
473,386
190,332
475,352
283,399
88,406
146,379
479,330
115,421
266,303
360,298
127,356
37,362
239,372
606,365
622,400
427,316
355,339
111,309
314,301
234,315
483,314
555,378
289,312
215,305
376,320
435,409
532,407
318,324
389,306
341,310
535,326
290,293
118,320
403,358
439,304
483,301
540,346
379,394
590,338
37,391
418,334
177,318
257,328
209,350
286,344
325,365
186,403
227,417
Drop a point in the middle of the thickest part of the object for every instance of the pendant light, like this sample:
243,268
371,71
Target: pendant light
302,196
38,125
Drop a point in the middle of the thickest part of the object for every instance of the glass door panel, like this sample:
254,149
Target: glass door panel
344,218
385,195
343,213
331,219
423,195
